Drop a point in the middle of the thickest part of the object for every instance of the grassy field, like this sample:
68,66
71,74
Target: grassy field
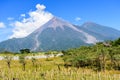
51,69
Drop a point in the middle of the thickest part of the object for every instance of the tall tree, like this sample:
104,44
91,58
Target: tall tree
8,60
22,61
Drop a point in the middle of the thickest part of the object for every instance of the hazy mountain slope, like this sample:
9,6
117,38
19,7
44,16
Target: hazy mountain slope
100,32
58,34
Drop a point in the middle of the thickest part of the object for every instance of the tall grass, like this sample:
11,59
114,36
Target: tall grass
49,70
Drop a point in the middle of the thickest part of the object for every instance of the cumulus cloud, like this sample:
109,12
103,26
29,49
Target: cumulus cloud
40,7
27,25
77,19
2,25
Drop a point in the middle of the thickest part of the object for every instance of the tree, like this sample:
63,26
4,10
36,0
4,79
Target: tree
116,42
8,60
101,56
22,51
114,57
22,61
34,62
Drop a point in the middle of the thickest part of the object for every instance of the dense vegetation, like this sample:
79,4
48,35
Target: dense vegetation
102,56
97,62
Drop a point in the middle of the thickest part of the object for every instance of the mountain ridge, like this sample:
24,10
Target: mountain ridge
58,34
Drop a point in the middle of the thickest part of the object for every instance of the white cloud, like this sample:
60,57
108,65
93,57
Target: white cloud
27,25
10,18
2,25
77,19
22,15
40,7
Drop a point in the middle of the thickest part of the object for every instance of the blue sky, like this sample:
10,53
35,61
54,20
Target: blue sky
16,15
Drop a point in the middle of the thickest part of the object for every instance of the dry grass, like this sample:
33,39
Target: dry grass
49,70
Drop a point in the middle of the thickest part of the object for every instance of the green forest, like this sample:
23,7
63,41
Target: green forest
102,56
